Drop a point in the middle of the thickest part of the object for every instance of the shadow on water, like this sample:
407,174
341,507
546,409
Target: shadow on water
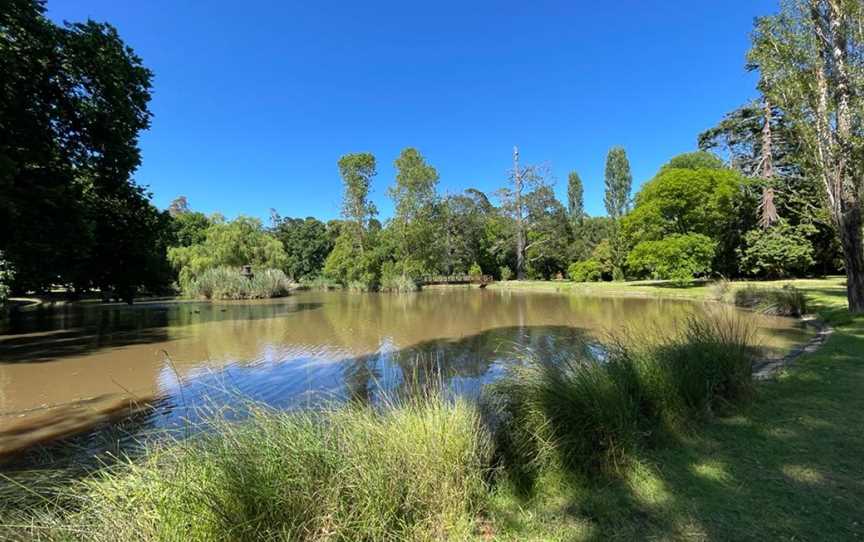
461,365
46,334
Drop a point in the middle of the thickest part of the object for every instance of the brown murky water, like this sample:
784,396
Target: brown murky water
63,369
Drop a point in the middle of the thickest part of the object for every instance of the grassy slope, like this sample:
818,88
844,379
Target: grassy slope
789,466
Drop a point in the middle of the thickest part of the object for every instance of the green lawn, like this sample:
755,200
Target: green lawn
790,466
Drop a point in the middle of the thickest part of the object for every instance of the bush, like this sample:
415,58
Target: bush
785,301
229,283
506,273
6,277
676,257
585,271
475,270
415,471
589,414
398,284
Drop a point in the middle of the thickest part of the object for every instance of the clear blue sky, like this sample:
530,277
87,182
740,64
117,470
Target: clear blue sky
255,101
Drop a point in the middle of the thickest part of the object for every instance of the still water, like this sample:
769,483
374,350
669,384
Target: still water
66,368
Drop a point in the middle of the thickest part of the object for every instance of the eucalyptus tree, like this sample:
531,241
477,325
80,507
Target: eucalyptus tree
811,56
415,223
357,171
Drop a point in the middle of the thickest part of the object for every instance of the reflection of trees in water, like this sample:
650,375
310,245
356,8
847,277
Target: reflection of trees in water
461,365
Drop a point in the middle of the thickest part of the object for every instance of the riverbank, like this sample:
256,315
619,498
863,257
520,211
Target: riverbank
783,465
787,466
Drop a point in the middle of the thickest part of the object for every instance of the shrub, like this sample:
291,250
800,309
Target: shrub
398,284
475,270
413,472
785,301
676,257
585,271
229,283
506,273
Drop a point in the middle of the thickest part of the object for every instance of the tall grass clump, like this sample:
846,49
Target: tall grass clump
416,471
398,284
785,301
320,283
589,413
229,284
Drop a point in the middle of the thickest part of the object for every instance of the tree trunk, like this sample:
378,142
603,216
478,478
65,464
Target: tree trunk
853,257
520,232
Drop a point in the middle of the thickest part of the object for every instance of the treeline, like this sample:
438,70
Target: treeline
74,99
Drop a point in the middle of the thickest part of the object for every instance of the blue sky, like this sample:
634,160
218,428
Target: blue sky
254,102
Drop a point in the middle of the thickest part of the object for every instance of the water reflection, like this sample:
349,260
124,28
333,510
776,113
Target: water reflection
67,364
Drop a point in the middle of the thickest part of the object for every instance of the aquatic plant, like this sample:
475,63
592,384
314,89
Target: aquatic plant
785,301
229,283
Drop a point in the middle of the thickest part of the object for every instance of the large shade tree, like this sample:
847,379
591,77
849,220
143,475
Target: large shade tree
811,58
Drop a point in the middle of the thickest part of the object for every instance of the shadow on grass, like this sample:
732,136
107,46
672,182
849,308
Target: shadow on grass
788,466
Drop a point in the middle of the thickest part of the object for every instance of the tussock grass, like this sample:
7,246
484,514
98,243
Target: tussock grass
228,283
320,283
785,301
398,284
416,471
590,414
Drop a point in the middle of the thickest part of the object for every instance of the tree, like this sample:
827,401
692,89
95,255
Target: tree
178,206
781,250
811,56
528,187
242,241
416,219
307,243
575,199
677,257
73,100
619,182
695,160
357,172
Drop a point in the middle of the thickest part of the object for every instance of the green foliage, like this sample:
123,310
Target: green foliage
7,275
190,228
676,257
307,243
416,222
586,415
357,171
619,181
505,273
229,283
392,280
785,301
320,283
779,251
575,198
585,271
348,266
242,241
695,160
475,270
415,471
681,201
72,103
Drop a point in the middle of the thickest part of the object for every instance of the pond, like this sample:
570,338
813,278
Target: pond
66,368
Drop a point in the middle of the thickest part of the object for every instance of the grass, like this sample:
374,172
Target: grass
227,283
785,301
416,471
784,466
673,453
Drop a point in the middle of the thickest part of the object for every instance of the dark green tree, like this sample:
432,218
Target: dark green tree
575,198
307,244
619,182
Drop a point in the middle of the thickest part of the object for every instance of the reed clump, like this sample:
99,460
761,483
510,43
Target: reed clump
416,471
785,301
227,283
